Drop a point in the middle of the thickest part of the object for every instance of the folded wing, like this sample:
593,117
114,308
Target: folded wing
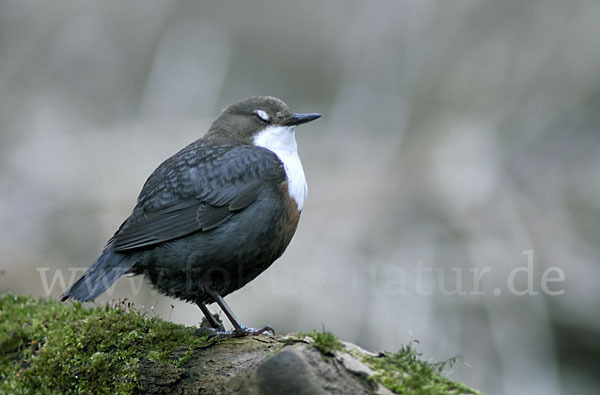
197,189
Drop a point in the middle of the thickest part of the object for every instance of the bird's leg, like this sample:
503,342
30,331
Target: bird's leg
211,318
240,330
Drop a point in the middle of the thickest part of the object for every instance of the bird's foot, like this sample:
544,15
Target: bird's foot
210,332
243,331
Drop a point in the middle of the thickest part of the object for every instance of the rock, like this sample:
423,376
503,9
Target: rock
50,347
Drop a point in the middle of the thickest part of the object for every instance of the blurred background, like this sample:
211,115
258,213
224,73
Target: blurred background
453,179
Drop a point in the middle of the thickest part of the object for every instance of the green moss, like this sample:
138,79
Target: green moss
325,342
405,373
52,347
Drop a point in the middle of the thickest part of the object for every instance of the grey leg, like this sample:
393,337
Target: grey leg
240,329
210,318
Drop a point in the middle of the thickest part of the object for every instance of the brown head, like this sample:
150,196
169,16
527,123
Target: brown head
241,122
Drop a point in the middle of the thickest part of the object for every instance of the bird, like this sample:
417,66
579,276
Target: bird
213,216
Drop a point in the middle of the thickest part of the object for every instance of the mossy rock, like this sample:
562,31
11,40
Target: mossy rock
52,347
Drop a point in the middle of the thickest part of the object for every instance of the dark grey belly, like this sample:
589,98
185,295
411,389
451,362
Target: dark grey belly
225,258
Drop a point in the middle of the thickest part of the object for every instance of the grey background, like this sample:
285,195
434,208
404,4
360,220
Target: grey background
456,135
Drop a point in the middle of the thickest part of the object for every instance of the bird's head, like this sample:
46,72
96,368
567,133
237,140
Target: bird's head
259,120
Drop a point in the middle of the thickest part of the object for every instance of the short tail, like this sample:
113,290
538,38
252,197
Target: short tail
101,275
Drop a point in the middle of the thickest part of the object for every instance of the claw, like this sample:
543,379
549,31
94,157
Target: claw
244,331
212,332
268,328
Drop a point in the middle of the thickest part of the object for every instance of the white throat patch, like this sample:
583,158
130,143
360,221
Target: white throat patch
282,141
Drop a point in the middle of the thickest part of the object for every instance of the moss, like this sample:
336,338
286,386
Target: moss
405,373
325,342
52,347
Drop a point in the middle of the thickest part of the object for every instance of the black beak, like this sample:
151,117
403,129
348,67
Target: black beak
299,119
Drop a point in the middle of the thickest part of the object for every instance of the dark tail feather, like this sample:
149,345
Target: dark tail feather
101,275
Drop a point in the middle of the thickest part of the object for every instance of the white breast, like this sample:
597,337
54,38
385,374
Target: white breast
282,141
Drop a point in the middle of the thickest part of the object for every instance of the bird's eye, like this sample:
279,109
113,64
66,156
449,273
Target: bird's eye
262,115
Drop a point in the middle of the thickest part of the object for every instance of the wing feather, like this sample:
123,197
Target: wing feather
179,198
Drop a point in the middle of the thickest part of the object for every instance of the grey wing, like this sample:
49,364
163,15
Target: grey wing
180,199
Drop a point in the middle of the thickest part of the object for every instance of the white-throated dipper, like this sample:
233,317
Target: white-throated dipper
215,215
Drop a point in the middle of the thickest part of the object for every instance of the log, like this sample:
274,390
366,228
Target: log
52,347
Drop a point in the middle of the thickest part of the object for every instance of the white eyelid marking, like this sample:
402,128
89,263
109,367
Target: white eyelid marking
262,115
